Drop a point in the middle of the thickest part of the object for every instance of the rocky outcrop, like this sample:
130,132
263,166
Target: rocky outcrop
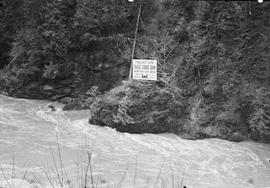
139,107
155,107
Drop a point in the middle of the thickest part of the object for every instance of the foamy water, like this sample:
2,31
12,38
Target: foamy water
29,133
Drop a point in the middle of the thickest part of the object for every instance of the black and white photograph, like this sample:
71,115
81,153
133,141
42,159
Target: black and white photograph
134,94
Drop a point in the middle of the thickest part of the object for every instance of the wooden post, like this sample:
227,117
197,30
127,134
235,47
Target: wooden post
134,42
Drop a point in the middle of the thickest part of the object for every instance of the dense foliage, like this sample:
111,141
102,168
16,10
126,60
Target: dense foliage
66,39
216,52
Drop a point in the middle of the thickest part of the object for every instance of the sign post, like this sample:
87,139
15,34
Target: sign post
144,69
135,38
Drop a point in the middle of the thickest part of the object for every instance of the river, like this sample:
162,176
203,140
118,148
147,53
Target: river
33,138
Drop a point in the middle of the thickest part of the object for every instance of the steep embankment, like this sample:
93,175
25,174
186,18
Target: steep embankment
61,49
223,75
213,64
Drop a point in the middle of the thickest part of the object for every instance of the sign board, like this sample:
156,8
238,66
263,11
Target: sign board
144,69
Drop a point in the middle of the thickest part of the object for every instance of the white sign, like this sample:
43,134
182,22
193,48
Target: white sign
144,69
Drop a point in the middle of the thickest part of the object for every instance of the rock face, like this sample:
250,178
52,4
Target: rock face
139,107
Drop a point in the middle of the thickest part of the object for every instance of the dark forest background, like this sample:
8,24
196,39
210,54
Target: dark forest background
217,53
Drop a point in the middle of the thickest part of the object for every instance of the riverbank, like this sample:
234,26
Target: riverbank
155,107
158,107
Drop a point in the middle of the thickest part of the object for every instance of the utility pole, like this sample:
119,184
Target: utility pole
134,42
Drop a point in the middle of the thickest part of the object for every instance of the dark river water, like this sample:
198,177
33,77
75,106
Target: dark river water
31,137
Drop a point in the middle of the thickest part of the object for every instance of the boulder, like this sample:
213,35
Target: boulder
139,107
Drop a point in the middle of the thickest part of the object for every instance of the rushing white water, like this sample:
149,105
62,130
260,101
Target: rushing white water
29,133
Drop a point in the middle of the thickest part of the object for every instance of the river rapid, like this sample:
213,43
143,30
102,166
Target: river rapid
30,135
